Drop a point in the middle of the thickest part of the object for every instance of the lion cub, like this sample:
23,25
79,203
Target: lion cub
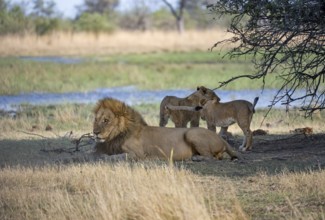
179,117
218,114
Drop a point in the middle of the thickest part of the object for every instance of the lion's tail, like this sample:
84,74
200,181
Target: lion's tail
254,103
231,152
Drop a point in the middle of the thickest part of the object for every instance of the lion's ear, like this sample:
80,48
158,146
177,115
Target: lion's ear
216,99
204,90
197,88
203,101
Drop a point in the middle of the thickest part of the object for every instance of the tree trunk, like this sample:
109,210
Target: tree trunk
180,25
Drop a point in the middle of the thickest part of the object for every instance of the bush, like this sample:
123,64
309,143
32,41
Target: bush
93,22
14,21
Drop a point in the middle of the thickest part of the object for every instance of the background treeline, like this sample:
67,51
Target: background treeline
42,16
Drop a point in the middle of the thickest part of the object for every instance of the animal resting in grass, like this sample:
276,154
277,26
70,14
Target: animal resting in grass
120,129
225,114
180,117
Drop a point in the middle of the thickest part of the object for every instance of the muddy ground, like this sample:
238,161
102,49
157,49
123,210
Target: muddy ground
270,154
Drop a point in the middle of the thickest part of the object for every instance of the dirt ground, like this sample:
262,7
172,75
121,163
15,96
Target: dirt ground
270,154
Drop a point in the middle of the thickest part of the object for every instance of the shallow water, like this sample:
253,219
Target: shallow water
54,59
129,94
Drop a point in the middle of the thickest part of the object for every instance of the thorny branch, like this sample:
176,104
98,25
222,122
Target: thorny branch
83,140
90,139
286,38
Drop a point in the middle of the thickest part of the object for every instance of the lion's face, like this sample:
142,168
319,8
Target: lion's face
105,125
206,94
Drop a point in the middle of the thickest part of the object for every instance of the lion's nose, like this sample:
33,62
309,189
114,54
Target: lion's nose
96,132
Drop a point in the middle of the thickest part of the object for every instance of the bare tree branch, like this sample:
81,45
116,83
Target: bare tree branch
286,38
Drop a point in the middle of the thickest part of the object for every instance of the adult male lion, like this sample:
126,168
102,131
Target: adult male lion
180,117
225,114
120,129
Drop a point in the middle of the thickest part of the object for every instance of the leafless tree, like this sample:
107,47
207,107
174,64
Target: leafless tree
98,6
284,37
178,13
138,17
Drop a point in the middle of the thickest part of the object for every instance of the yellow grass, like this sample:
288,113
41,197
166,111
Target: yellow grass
77,44
148,190
279,121
79,119
122,191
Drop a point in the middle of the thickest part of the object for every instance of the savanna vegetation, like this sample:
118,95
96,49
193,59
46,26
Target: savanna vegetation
43,177
163,70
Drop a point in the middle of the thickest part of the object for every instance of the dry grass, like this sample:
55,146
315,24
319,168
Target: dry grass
283,196
78,44
148,190
78,118
141,190
121,191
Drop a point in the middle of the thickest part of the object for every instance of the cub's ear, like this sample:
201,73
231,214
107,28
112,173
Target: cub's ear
216,100
203,101
204,90
197,88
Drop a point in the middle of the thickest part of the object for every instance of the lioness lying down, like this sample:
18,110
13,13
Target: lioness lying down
225,114
120,129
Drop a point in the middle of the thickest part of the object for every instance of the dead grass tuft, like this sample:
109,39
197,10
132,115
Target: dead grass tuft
78,44
101,191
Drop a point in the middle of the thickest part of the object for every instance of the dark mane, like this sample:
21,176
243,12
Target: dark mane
131,118
113,146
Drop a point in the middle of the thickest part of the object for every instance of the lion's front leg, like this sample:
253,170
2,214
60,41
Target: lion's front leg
134,150
212,127
195,122
223,133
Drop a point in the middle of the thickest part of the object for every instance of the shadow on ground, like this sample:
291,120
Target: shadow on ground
271,154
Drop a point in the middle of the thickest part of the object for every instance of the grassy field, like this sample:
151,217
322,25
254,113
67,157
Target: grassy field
79,117
152,191
282,178
146,71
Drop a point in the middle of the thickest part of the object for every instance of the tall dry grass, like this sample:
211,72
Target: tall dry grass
151,190
287,195
77,44
120,191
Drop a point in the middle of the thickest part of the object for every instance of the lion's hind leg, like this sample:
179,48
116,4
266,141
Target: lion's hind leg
244,125
205,142
219,156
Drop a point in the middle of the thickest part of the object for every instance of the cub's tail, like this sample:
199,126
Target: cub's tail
254,103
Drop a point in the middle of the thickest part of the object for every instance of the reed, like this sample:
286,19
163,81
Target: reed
80,44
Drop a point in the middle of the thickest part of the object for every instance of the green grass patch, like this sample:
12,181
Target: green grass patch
146,71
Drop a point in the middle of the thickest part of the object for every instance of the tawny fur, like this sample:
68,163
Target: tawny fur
218,114
179,117
120,129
